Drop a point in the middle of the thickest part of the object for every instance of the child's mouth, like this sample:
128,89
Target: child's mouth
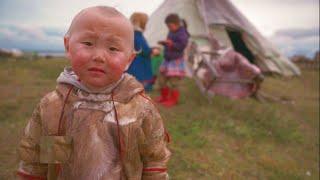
97,70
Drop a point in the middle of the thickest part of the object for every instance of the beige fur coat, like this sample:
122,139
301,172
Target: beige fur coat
85,136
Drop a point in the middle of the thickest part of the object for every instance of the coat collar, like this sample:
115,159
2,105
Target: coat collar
122,93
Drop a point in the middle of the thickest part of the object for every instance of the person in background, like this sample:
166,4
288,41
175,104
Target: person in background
172,69
140,68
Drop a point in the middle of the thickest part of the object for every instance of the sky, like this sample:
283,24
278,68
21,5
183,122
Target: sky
41,24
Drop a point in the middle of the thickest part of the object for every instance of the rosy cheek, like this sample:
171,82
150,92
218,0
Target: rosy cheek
80,57
119,63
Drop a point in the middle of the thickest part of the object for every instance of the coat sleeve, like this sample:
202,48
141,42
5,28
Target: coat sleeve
154,151
29,150
144,47
181,42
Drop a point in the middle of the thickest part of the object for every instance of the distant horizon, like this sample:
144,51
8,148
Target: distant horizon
60,52
42,51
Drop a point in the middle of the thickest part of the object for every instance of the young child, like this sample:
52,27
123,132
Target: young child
140,68
172,69
98,123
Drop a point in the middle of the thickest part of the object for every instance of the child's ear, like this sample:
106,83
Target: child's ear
131,58
66,46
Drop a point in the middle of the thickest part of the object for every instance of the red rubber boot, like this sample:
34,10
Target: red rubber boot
173,99
164,95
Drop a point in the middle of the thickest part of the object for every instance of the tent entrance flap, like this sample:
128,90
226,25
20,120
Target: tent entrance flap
239,45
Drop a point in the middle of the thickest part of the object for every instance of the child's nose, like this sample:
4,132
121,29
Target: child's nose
100,55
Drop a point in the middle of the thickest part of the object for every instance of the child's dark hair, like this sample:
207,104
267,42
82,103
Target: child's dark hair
172,18
185,25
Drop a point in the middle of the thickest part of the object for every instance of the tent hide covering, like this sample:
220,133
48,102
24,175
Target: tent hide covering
223,22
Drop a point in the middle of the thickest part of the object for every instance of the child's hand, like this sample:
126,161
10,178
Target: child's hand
162,43
167,42
155,52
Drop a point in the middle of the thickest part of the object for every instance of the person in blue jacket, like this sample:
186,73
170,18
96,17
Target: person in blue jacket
141,65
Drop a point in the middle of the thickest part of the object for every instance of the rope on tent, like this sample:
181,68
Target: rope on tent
264,97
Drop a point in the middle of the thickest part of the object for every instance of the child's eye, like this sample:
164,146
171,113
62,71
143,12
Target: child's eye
87,43
113,49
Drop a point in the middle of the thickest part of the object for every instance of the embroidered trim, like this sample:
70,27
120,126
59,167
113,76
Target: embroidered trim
122,121
30,177
154,170
105,106
62,111
92,97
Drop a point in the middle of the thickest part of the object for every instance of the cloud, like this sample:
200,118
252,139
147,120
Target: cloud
297,41
5,32
298,33
288,2
59,13
272,15
29,32
30,37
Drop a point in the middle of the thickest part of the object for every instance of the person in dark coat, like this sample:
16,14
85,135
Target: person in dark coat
141,65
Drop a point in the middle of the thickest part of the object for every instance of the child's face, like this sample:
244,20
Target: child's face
99,49
173,27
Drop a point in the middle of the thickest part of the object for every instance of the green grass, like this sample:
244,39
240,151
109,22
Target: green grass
224,139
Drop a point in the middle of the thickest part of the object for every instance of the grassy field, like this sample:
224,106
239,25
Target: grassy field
224,139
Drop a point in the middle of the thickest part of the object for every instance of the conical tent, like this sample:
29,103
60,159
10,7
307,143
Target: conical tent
222,21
